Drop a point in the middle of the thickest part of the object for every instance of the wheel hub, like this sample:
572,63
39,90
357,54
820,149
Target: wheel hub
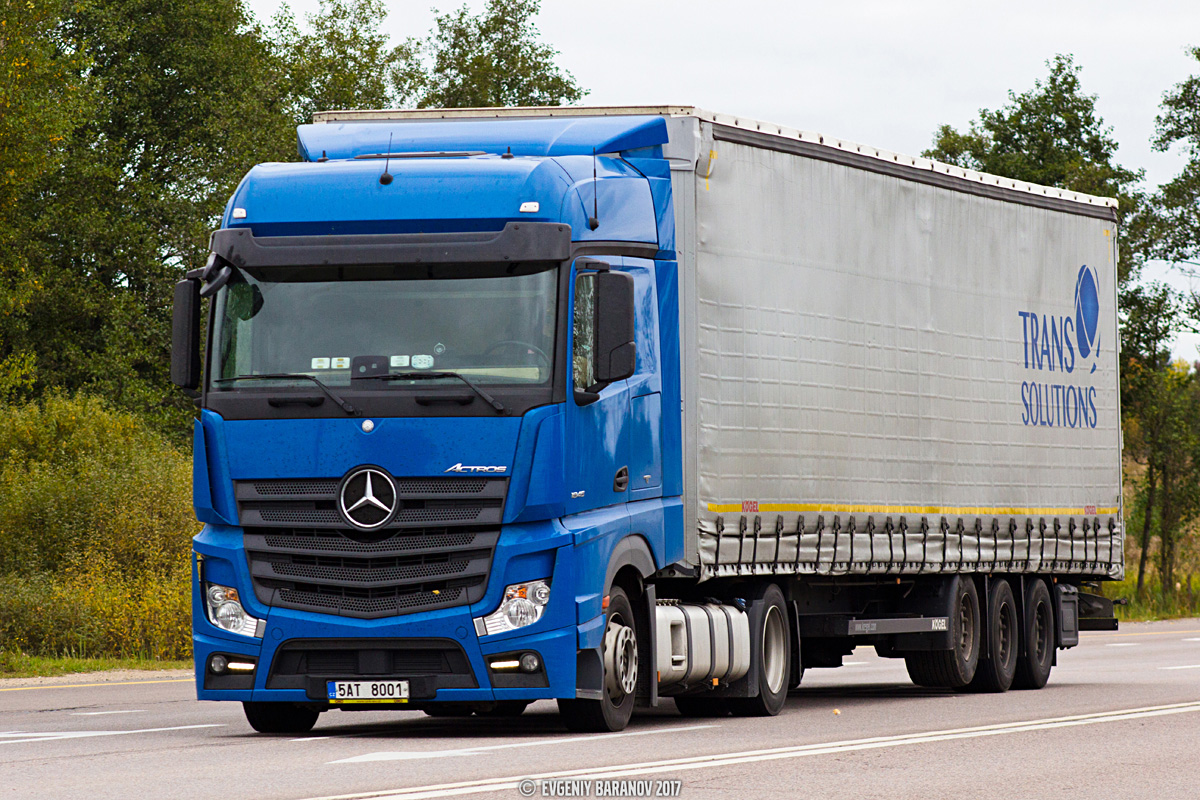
620,659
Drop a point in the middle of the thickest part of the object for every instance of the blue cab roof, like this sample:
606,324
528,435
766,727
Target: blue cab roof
332,192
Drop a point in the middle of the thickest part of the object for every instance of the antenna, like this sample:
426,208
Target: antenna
386,177
594,219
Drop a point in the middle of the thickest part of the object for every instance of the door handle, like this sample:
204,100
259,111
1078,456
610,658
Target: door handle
621,481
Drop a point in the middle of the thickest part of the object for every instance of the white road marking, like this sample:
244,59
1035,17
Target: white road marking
1185,666
49,736
102,713
1192,639
412,755
310,738
676,765
1122,644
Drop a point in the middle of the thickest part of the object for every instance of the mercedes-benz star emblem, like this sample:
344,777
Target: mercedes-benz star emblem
368,498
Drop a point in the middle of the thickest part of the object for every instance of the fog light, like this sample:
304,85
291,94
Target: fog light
218,664
530,662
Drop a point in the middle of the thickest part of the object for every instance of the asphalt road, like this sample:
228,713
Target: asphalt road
1120,718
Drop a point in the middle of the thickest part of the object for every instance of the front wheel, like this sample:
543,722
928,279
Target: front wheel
280,717
620,657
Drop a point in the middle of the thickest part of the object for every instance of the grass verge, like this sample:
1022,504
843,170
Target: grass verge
20,665
1152,604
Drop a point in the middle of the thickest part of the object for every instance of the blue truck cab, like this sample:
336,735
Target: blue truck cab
437,456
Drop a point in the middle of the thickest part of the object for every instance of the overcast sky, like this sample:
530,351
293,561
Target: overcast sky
879,73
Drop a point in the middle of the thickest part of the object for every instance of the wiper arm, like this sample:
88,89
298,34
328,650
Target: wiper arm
420,376
349,409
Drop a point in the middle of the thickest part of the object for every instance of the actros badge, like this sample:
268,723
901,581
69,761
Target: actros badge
368,498
460,468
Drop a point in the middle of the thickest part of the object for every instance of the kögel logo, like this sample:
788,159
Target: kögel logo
460,468
1087,314
367,498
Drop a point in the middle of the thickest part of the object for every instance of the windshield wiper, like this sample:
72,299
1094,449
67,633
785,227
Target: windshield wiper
420,376
349,409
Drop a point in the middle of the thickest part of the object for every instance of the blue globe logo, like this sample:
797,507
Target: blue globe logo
1087,313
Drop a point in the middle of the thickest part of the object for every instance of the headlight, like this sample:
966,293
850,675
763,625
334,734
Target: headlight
523,604
225,611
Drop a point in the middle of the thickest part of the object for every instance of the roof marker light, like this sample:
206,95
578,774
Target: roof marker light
239,213
530,207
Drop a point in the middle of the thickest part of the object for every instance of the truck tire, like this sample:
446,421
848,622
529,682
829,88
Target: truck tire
774,662
702,707
620,658
1037,638
995,673
954,668
280,717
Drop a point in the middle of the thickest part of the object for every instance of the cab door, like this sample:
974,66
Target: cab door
597,429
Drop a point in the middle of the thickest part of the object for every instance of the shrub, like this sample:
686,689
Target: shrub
79,481
95,533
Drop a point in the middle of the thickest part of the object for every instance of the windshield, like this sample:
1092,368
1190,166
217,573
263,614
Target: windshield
493,325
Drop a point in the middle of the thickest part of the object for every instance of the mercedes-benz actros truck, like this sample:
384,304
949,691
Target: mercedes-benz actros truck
613,405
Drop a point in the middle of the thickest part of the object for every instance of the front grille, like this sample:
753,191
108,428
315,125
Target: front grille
304,662
421,502
328,572
436,552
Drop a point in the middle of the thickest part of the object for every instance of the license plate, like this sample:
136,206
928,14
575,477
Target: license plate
367,691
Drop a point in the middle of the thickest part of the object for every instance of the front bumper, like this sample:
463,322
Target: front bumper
386,646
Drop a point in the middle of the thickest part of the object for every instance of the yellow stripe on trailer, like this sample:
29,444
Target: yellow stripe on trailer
753,507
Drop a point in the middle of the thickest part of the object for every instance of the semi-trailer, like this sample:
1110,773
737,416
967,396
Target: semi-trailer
610,405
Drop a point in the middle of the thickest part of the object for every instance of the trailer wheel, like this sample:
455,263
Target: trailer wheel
1037,638
954,668
995,673
774,661
280,717
620,657
702,707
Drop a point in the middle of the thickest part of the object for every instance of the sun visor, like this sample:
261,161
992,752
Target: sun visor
546,137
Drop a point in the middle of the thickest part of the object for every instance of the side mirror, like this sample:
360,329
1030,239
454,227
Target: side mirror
185,335
604,350
616,352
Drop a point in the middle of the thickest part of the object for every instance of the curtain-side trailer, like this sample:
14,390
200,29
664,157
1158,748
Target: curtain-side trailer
609,405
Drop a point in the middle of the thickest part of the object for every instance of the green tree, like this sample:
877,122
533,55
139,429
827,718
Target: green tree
1176,230
342,60
1151,315
1052,135
492,59
41,100
185,97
